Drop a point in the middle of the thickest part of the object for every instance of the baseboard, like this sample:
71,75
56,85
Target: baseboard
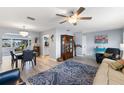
43,56
80,55
53,59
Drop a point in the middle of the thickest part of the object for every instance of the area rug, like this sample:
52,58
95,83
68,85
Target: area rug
67,73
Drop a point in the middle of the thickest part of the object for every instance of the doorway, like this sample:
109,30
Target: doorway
45,44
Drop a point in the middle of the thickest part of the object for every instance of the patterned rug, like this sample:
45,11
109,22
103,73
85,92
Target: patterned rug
67,73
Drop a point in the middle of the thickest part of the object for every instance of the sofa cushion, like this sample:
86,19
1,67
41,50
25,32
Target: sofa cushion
115,77
121,61
101,75
106,60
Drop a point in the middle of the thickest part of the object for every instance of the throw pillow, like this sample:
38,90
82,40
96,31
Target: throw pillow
117,65
107,54
121,61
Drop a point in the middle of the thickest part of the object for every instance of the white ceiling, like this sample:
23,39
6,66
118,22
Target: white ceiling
102,18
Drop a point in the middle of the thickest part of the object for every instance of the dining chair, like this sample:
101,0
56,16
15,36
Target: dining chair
13,59
28,56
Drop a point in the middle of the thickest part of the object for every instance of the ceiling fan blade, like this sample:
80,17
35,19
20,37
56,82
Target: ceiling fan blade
81,9
85,18
62,22
61,15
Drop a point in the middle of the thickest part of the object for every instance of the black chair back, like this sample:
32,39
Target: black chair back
27,55
12,55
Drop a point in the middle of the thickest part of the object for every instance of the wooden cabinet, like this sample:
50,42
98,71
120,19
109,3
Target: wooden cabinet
67,44
37,50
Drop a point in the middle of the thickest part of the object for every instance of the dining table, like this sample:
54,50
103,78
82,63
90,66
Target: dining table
19,56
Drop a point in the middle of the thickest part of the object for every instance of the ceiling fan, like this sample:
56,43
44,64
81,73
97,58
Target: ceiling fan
74,17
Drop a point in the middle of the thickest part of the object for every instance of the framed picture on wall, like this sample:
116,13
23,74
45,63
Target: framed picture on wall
46,43
6,42
101,39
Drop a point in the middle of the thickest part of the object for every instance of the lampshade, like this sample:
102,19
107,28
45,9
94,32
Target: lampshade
121,46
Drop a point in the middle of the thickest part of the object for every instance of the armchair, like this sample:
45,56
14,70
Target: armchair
11,77
114,54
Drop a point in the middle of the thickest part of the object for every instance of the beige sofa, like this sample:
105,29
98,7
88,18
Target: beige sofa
108,76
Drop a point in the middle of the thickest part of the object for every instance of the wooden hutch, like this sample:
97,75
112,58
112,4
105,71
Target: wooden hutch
67,44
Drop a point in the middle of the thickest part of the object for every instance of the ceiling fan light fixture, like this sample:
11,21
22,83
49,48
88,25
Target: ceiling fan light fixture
72,20
74,17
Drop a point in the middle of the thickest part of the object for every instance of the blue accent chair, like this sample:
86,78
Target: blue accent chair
11,77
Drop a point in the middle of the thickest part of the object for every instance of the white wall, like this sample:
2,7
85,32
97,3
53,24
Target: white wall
115,37
33,35
78,41
45,48
52,44
123,35
0,47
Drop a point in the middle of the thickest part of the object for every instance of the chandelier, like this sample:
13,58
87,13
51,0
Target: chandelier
23,32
